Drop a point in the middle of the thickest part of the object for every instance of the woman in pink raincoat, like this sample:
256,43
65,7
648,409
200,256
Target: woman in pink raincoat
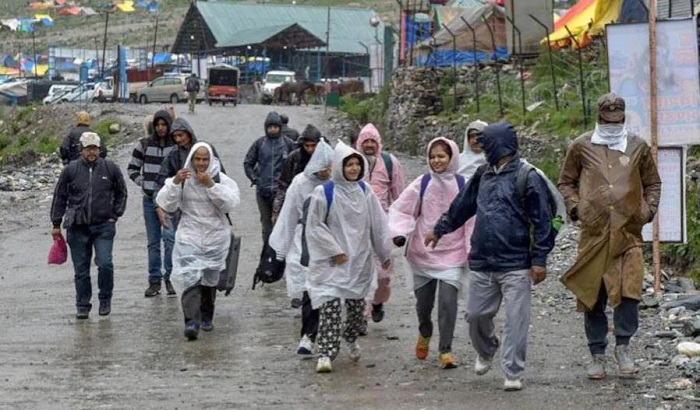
412,216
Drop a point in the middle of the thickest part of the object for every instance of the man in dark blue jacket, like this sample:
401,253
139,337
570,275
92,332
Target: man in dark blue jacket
505,258
263,165
89,198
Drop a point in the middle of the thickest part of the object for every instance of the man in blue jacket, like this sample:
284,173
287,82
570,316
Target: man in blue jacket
263,165
505,258
89,197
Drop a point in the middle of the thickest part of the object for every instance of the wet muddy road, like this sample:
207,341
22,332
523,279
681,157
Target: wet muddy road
137,357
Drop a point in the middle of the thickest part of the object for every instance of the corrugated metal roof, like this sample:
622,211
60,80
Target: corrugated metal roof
678,8
349,26
259,35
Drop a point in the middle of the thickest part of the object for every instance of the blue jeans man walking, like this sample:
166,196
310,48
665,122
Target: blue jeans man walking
157,260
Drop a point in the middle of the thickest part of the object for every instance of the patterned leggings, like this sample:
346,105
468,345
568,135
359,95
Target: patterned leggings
331,322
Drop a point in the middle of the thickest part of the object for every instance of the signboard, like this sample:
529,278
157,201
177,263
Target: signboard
671,214
678,100
123,84
376,65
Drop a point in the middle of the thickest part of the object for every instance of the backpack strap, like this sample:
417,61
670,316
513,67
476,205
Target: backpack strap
328,188
521,179
461,182
389,164
424,181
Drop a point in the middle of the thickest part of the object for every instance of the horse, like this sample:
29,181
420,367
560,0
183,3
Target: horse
349,87
299,89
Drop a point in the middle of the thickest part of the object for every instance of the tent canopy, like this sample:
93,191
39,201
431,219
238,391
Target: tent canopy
464,37
585,20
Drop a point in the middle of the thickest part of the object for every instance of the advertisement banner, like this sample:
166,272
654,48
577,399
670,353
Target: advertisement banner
678,95
671,214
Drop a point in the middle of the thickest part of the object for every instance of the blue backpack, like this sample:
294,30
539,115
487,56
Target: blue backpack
461,182
328,188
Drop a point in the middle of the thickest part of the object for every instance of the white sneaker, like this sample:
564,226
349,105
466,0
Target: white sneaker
512,385
482,365
324,365
354,351
306,347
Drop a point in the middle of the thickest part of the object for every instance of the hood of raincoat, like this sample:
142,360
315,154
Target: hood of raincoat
273,119
161,115
214,165
310,133
369,132
478,126
499,140
341,152
181,124
322,158
453,166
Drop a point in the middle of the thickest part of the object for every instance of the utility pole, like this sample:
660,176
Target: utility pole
155,39
653,88
328,43
104,45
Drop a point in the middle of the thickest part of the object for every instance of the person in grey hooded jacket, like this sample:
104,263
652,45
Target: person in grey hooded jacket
263,165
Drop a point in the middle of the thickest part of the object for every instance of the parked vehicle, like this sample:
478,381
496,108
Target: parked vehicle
169,88
274,79
222,85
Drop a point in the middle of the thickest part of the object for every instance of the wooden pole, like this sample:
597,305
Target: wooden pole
654,134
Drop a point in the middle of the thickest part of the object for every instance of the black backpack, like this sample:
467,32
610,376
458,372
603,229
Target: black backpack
192,84
269,270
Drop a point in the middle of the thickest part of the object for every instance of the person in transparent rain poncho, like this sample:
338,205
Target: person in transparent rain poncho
205,196
441,271
286,239
341,236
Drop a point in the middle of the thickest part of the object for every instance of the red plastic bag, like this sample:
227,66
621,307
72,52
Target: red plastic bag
58,254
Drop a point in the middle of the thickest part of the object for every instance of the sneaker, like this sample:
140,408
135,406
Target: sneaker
482,365
512,385
377,312
169,289
153,289
624,360
324,365
105,307
422,347
83,313
596,370
296,303
207,325
191,331
362,331
447,360
306,347
354,351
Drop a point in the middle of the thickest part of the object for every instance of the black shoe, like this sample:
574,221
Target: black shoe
296,303
207,325
153,289
169,288
105,307
377,313
83,313
192,331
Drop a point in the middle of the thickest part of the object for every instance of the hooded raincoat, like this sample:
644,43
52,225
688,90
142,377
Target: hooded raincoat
387,188
354,225
203,235
615,194
410,218
286,235
469,160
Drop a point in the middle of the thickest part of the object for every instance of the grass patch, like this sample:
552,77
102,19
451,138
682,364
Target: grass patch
102,129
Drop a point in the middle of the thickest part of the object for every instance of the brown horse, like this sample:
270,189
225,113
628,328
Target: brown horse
349,87
299,89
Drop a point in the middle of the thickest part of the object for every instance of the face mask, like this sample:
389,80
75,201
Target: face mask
610,130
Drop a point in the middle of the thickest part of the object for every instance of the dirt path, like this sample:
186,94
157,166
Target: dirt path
138,358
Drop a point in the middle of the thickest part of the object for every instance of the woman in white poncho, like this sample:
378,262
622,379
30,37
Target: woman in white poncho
345,223
205,196
286,239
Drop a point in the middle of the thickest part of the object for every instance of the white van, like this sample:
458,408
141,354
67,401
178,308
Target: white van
274,79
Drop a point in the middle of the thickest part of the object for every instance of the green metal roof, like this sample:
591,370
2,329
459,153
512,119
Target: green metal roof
260,35
348,26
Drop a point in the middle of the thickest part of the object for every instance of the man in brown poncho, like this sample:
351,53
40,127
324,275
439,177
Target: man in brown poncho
611,185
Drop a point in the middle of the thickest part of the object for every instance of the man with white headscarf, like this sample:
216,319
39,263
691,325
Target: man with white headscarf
610,184
205,196
286,239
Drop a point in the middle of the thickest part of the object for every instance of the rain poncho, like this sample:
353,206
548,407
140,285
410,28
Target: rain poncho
286,235
413,220
354,225
203,235
469,160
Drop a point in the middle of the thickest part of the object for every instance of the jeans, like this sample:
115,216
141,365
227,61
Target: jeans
265,208
625,318
155,233
82,239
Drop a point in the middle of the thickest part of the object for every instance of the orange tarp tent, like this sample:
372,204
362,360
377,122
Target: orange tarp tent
586,19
